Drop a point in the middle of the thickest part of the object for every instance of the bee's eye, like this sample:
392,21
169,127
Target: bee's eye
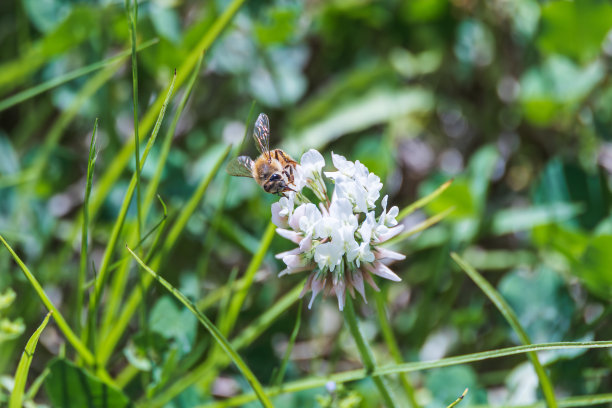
275,177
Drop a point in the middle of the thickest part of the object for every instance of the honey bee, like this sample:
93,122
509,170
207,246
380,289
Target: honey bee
273,170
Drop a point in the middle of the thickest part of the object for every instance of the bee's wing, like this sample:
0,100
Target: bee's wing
261,134
241,166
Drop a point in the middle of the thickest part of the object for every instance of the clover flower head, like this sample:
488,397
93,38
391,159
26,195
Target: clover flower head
339,239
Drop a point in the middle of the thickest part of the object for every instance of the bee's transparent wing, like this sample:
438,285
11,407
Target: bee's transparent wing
261,134
241,166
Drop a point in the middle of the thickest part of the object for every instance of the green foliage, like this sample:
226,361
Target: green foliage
68,385
489,124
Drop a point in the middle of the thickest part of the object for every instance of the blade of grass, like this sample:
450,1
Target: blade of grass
91,163
420,227
127,311
512,319
118,226
21,375
207,370
69,76
120,278
367,356
59,319
246,337
424,201
458,400
278,378
214,332
354,375
132,17
392,345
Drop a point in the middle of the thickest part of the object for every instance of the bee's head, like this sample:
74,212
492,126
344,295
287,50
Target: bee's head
275,184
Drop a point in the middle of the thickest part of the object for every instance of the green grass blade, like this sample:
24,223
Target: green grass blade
392,345
56,132
207,370
91,163
424,201
118,226
458,400
512,319
280,375
134,299
354,375
420,227
120,279
212,329
132,18
367,356
59,319
21,375
67,77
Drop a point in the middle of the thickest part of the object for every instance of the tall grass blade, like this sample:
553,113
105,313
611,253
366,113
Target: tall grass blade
393,346
134,299
424,201
120,279
512,319
132,17
21,375
91,163
67,77
59,319
354,375
212,329
367,356
458,400
280,375
118,226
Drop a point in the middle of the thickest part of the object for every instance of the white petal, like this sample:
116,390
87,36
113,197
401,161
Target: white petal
383,271
290,235
382,253
340,290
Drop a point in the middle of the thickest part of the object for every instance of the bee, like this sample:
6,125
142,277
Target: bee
273,170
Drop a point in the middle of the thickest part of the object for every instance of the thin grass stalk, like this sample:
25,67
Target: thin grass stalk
420,227
120,278
91,164
246,337
134,299
512,319
424,201
69,76
393,347
367,357
278,378
132,17
214,332
458,400
21,375
119,163
118,226
355,375
206,371
116,168
59,318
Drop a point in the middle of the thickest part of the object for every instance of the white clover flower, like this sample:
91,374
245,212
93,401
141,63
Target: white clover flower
339,238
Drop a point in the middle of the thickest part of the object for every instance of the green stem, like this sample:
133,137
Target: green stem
393,347
367,357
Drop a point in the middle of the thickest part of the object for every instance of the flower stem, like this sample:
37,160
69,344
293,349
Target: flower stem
367,357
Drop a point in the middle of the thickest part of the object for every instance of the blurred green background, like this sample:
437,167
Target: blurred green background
512,99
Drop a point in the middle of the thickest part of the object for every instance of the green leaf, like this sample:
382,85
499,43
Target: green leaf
69,386
575,28
595,265
551,90
280,27
447,383
524,219
21,375
173,323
